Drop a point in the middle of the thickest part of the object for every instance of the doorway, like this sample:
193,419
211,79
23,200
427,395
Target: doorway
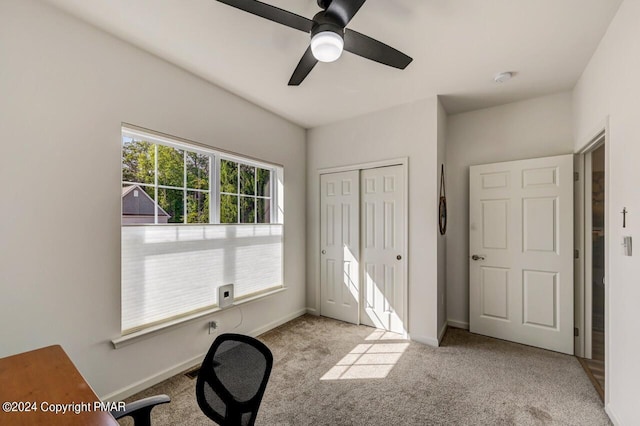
363,217
594,265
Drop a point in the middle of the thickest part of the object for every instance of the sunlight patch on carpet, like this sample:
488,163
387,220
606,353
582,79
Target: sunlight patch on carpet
367,361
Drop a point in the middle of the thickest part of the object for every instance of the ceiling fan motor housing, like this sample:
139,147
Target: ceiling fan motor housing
324,22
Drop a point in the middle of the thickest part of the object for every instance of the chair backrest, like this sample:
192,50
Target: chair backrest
232,379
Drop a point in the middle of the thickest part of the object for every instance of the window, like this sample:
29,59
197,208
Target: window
194,219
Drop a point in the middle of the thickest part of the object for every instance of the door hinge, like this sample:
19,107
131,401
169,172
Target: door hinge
576,176
576,254
576,332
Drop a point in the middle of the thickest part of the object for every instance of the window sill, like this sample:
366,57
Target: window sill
160,328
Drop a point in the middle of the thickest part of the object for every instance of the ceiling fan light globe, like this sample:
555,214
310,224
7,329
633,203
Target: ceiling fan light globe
327,46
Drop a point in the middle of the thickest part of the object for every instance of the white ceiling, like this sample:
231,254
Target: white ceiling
457,46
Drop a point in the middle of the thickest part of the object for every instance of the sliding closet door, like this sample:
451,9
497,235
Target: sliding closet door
382,227
339,245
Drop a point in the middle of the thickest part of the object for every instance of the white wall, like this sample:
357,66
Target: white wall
537,127
610,87
442,239
65,88
405,131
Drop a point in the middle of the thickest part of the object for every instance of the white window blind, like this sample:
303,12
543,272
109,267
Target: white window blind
170,271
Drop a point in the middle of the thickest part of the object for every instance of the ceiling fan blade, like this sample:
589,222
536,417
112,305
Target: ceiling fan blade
272,13
304,67
344,9
375,50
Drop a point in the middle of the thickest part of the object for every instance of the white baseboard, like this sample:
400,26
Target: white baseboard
612,416
458,324
143,384
273,324
442,331
312,311
425,340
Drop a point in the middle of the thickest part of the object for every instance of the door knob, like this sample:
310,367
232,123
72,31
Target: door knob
477,257
399,257
324,252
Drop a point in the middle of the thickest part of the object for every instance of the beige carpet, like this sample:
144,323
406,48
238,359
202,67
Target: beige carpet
328,372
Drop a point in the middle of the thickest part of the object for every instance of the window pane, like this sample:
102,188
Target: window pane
263,182
247,180
170,166
228,177
197,171
171,205
137,204
228,208
197,207
138,161
263,210
247,210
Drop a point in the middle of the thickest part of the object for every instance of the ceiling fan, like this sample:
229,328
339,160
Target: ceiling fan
329,35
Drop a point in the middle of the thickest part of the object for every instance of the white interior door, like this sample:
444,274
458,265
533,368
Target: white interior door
339,245
521,247
382,232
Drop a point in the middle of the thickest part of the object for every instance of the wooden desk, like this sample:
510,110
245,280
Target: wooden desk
47,376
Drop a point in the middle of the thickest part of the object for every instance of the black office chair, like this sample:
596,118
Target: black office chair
140,410
232,379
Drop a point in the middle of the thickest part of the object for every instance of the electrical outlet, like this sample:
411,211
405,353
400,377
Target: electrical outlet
213,325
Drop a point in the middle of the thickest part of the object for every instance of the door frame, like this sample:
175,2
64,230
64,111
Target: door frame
588,244
404,162
582,300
